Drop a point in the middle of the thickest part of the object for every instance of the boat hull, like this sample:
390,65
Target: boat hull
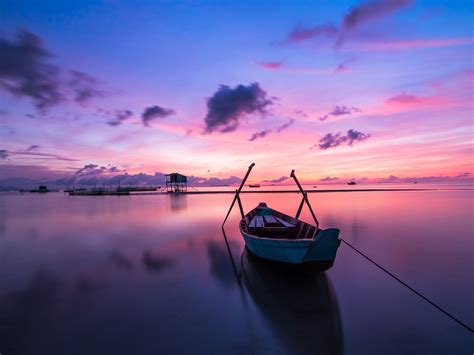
320,251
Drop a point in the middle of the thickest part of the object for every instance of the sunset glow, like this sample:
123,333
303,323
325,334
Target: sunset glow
331,89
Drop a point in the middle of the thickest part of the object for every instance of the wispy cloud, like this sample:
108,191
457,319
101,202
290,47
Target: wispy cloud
301,33
84,86
270,65
278,180
358,15
328,179
32,148
3,154
260,134
332,140
340,111
285,125
371,10
414,44
119,117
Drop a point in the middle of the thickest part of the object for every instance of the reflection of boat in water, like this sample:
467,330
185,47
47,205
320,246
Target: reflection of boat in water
300,306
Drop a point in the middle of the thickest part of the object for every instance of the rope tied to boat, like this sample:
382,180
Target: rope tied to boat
439,308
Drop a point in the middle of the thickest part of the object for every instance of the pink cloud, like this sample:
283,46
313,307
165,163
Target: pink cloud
270,65
407,100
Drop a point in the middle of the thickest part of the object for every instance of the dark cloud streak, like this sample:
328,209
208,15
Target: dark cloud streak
332,140
260,134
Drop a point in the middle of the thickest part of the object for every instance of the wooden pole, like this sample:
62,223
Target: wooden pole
299,209
305,197
238,192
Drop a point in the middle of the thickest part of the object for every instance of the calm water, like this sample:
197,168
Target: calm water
152,275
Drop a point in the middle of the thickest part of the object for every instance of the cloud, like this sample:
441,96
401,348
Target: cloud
415,43
340,111
84,86
229,105
328,178
30,152
270,65
285,125
357,16
332,140
341,68
25,72
371,10
260,134
120,116
278,180
154,112
3,154
32,147
404,99
301,33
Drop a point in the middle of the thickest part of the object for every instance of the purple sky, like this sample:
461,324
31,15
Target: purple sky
333,89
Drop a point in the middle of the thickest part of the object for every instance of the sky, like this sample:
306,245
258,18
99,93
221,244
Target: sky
334,89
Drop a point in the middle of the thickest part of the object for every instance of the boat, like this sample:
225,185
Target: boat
276,236
351,183
254,185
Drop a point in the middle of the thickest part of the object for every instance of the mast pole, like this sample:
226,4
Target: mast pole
237,192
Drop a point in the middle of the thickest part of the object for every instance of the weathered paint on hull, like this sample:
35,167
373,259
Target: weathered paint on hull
322,249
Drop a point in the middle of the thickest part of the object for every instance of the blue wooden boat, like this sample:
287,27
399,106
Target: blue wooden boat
273,235
276,236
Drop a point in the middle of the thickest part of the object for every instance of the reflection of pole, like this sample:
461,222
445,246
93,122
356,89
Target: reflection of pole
305,198
237,192
237,275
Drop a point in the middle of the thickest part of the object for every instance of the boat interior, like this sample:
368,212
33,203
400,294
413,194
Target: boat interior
265,222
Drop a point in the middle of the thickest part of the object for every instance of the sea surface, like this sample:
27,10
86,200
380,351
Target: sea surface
154,274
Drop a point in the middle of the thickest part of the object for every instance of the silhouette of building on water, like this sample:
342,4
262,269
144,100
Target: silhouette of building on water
176,183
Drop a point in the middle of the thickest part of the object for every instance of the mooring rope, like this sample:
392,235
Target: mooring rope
439,308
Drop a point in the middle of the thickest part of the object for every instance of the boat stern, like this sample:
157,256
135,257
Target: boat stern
324,247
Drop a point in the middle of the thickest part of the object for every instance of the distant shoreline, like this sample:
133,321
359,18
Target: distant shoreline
293,191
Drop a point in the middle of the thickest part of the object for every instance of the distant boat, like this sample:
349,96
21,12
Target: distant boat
315,186
275,236
41,189
254,185
351,183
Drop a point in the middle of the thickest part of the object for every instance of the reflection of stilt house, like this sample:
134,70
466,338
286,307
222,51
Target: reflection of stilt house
176,182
